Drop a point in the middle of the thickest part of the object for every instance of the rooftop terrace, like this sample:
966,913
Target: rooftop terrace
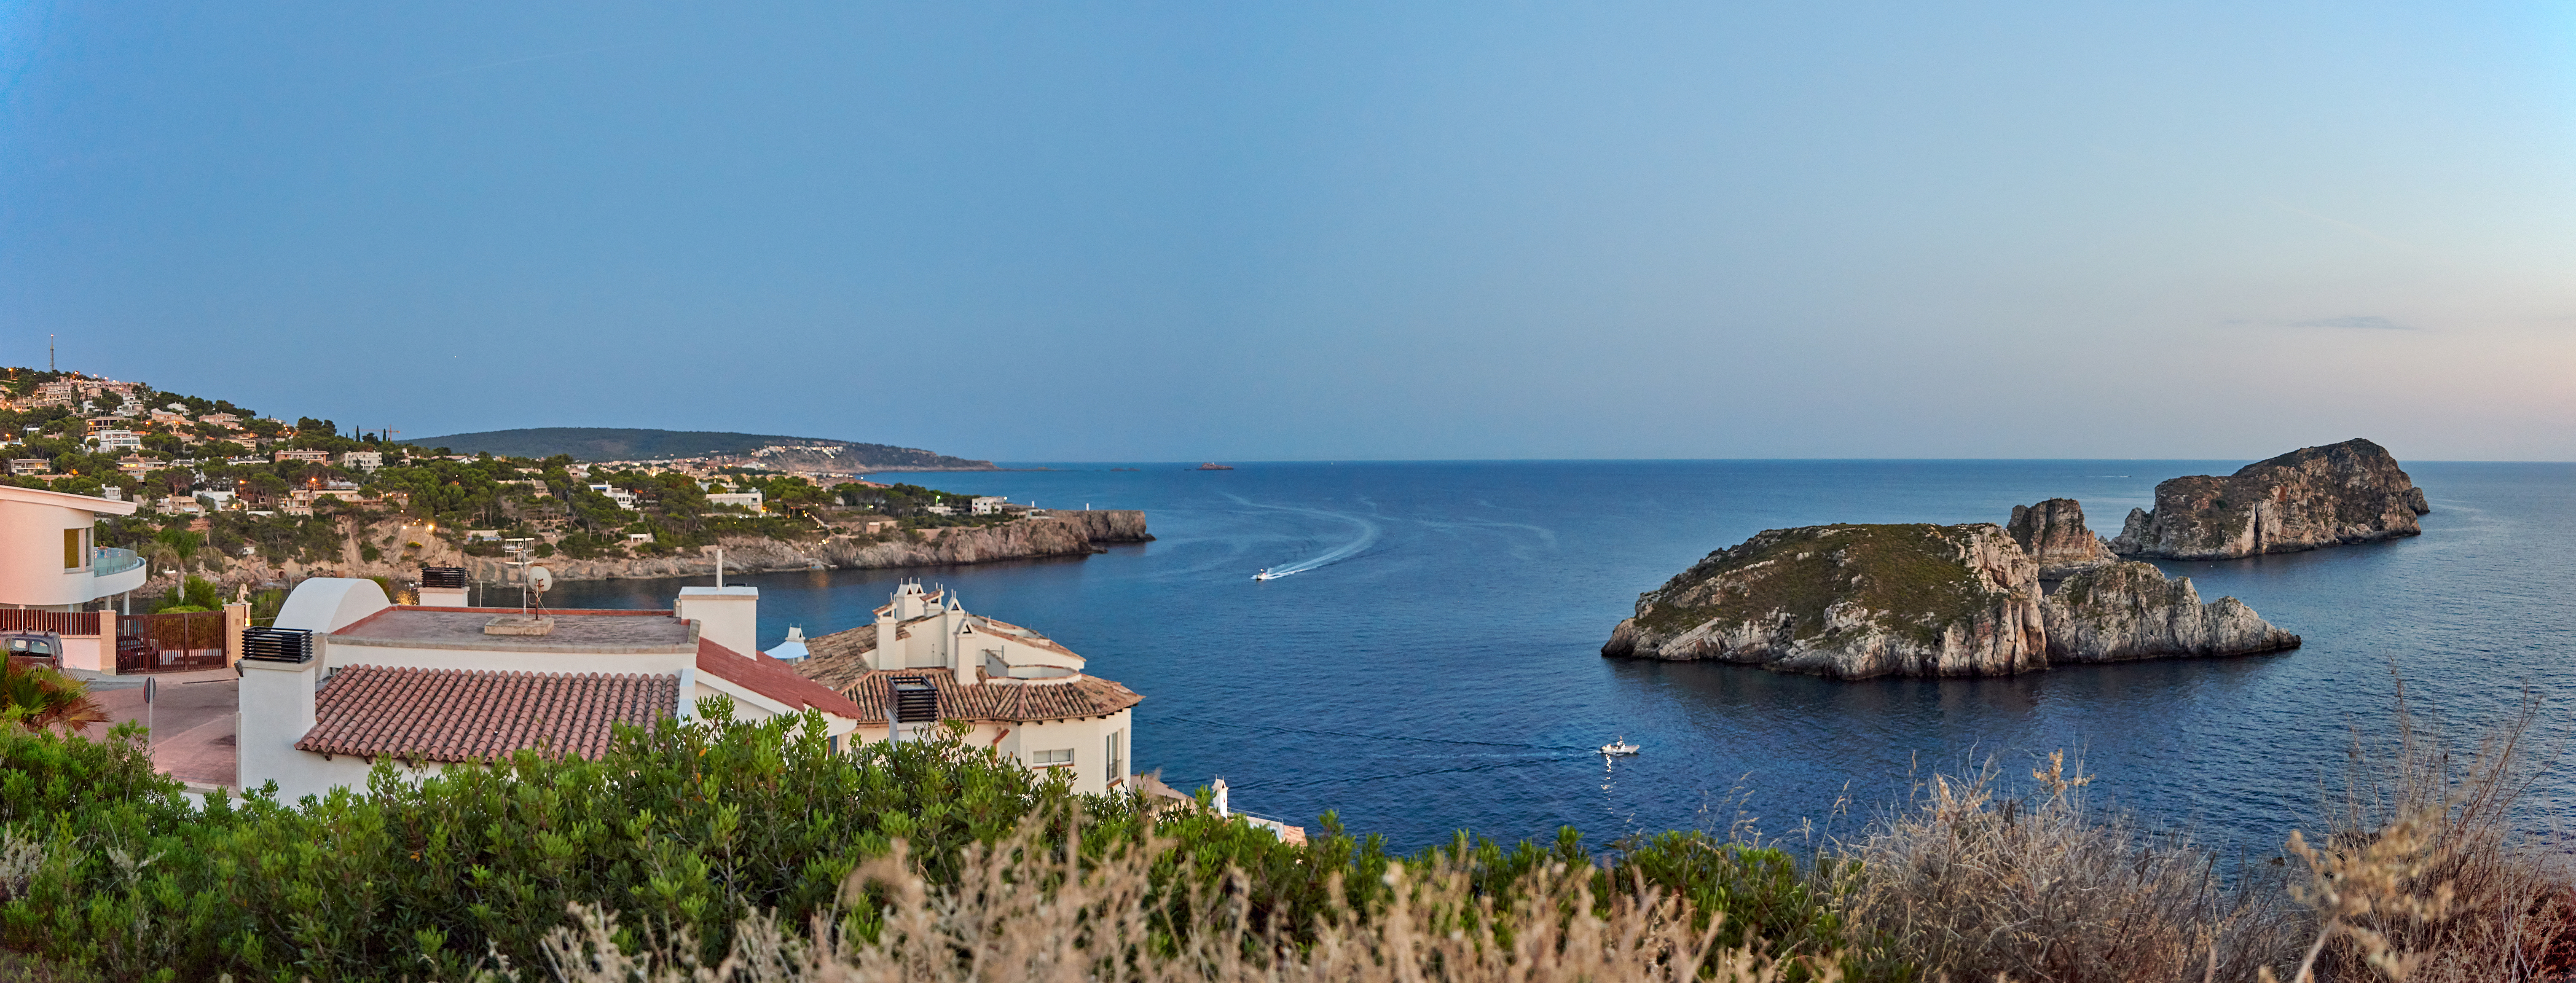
574,631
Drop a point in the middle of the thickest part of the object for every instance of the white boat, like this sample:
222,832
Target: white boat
1618,748
1265,574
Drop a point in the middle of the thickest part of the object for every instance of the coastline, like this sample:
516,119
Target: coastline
1058,534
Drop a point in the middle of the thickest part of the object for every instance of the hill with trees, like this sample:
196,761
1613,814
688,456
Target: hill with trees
622,444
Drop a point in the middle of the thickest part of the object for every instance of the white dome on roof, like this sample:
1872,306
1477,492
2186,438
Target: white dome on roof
793,648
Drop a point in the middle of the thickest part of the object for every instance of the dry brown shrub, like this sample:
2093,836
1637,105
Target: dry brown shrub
2423,875
1022,913
1975,882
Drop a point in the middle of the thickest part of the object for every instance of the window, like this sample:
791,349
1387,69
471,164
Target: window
1117,759
75,549
1051,759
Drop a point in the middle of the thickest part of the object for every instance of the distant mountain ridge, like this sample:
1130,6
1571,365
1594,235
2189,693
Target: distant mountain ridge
623,444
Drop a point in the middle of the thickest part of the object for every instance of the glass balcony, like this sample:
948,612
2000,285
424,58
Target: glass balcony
108,561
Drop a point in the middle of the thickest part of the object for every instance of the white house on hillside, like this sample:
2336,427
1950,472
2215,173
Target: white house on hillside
49,562
927,660
436,683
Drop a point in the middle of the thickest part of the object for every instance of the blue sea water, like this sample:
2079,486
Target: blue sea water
1440,669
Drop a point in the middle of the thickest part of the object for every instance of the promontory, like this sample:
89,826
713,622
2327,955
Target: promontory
1859,601
2313,497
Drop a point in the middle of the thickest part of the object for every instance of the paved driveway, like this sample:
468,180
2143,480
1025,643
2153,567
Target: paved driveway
191,719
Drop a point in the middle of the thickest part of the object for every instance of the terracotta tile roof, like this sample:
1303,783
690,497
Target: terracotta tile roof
774,679
840,658
474,714
1081,696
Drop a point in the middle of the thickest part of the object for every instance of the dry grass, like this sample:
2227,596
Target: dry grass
2421,873
1975,883
1021,913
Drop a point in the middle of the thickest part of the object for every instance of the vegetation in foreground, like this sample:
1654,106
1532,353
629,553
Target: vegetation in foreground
737,851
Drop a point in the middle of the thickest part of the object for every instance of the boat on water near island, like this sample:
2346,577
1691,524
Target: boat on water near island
1265,574
1618,748
1213,466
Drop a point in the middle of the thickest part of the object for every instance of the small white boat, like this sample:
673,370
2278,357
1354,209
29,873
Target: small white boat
1618,748
1265,574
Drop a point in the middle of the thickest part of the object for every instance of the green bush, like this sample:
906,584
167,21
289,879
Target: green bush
681,830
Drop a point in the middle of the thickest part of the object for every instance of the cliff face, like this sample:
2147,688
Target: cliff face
2130,611
1851,601
2054,535
2352,492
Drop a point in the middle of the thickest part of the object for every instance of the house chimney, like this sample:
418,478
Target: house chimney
279,672
442,587
1221,810
727,616
889,653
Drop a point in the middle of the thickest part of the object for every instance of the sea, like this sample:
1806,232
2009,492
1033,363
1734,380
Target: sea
1433,663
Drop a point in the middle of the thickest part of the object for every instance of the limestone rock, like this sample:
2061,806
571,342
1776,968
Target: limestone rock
2131,611
2054,535
1851,601
2352,492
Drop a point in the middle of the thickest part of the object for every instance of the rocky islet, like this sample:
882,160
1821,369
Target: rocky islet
1858,601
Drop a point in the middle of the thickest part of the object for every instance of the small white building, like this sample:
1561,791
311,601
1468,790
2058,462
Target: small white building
1016,690
986,504
362,460
423,685
118,440
624,499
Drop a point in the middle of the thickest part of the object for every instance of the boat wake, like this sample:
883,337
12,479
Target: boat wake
1366,537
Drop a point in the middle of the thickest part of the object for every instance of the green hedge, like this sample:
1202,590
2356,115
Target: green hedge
682,827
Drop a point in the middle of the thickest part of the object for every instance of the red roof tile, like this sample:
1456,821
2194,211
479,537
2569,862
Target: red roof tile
475,715
1081,696
772,678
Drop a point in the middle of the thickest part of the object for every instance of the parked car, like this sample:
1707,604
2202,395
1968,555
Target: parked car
42,648
135,653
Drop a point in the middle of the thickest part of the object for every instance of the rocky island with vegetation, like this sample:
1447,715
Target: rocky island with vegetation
2313,497
1861,601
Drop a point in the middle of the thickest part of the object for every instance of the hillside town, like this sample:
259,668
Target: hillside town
150,535
254,502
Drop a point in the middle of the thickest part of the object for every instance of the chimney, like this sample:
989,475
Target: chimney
961,656
889,653
279,672
727,616
442,587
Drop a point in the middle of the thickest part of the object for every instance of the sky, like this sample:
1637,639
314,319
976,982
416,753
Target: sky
1319,230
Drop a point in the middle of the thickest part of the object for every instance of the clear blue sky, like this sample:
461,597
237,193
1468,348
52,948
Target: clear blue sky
1315,230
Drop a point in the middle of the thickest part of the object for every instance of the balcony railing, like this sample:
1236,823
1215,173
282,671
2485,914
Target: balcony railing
110,560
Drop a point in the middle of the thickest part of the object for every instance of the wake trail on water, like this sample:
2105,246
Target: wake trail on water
1368,533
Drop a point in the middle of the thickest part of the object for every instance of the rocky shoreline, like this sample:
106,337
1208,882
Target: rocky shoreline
1057,534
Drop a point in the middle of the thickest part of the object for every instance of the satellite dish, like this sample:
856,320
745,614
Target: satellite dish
541,579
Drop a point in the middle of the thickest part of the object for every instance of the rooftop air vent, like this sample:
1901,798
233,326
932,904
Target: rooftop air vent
277,644
443,577
915,701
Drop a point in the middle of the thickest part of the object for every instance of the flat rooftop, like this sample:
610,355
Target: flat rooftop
587,631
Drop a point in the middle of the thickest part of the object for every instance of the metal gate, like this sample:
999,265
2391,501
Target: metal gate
170,642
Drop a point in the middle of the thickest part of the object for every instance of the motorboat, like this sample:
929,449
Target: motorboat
1618,749
1265,574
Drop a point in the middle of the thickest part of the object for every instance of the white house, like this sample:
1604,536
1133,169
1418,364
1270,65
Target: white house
118,440
926,660
427,686
747,499
986,504
362,460
49,561
624,499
